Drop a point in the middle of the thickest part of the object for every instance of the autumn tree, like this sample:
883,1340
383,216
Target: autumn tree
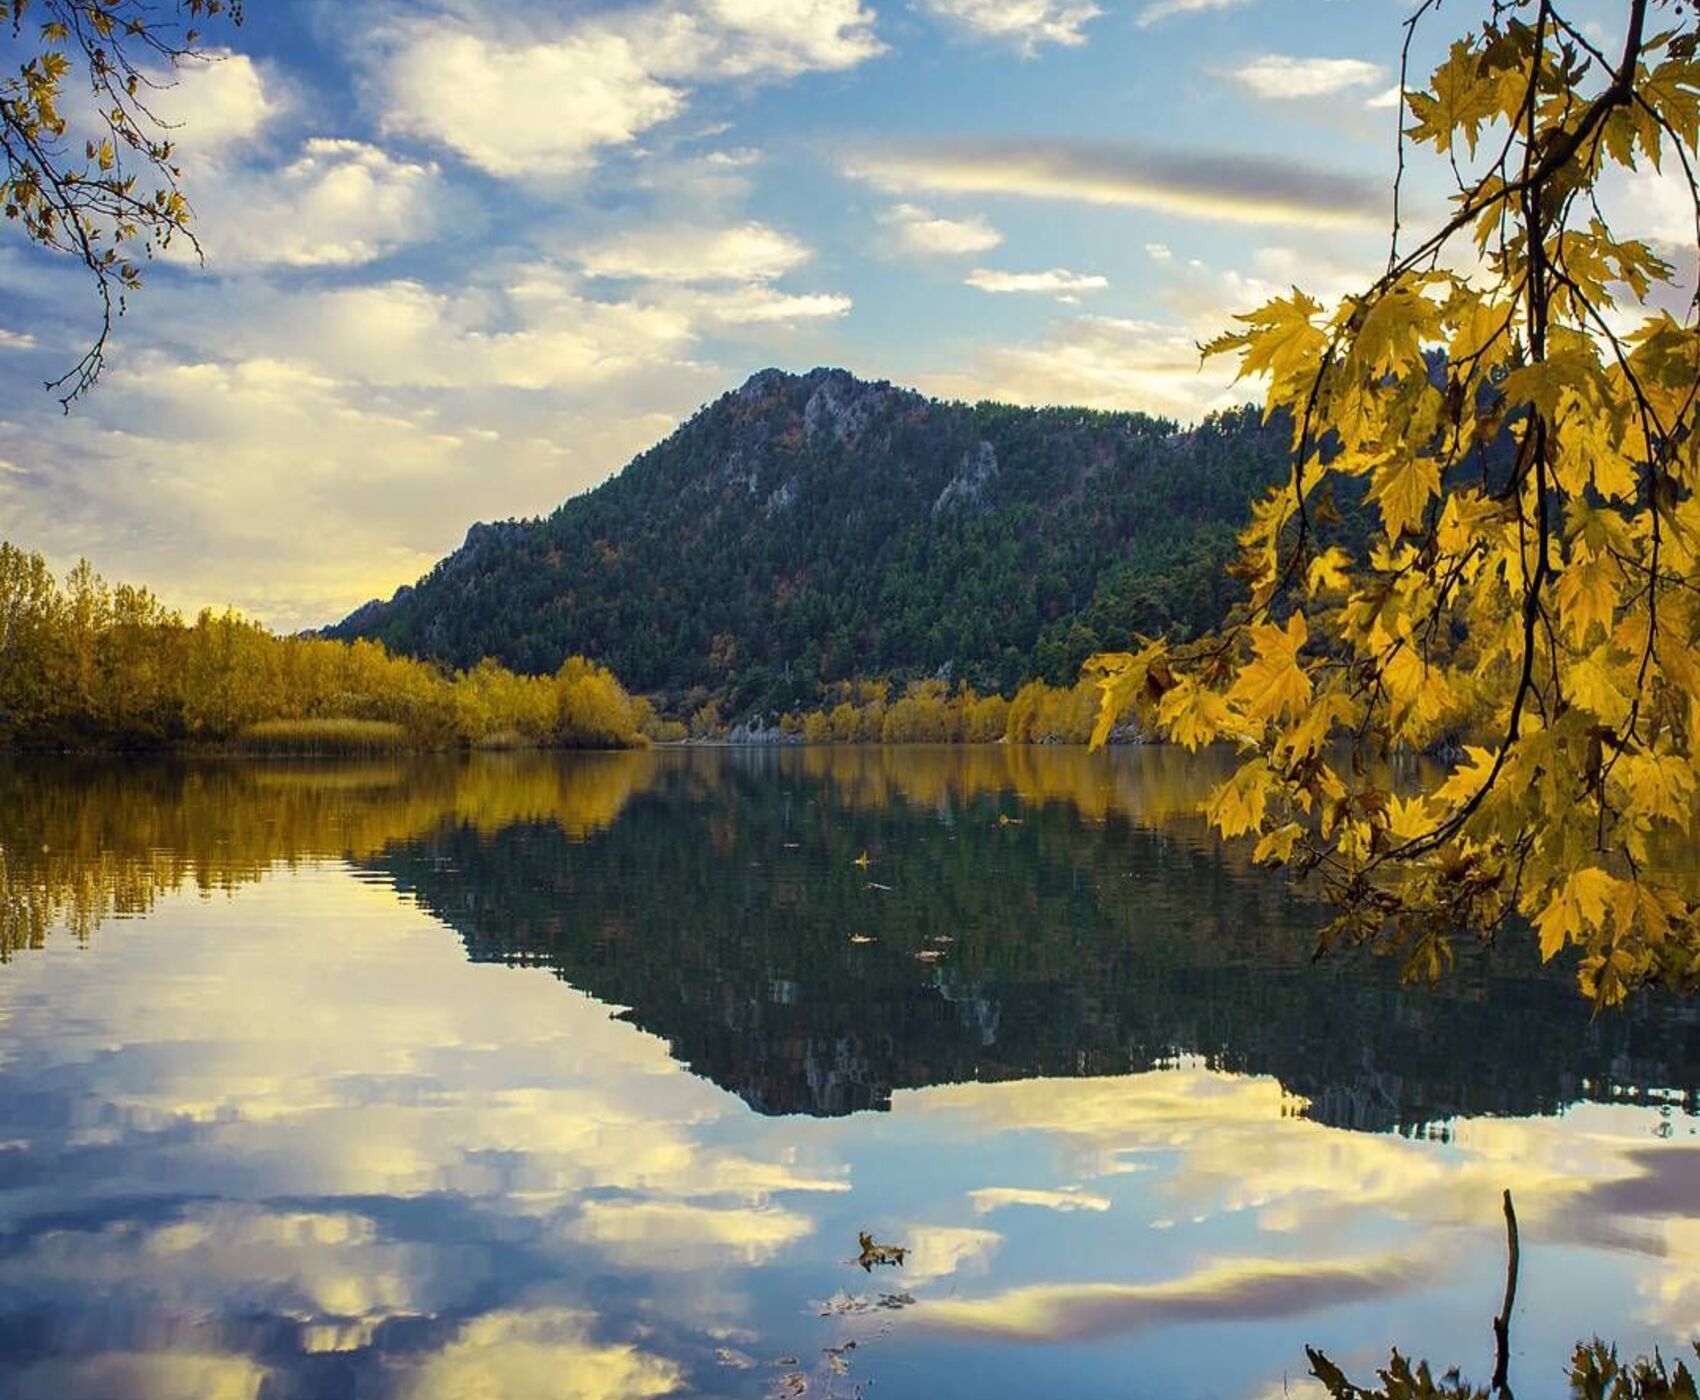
90,168
84,663
1514,403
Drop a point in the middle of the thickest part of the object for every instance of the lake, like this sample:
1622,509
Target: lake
580,1076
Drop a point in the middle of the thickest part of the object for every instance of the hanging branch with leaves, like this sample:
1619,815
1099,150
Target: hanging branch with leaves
1513,405
102,187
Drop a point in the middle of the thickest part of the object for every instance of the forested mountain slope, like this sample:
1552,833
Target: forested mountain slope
809,528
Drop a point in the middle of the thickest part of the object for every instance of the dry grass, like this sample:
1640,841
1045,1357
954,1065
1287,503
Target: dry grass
323,736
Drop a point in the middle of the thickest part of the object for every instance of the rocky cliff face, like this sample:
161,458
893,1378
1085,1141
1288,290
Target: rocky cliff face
806,528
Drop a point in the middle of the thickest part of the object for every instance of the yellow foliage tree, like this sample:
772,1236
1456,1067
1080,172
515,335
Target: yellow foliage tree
86,664
1519,414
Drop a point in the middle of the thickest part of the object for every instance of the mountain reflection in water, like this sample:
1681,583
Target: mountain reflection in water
289,1140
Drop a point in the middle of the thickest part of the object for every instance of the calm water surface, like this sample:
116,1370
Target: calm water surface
578,1077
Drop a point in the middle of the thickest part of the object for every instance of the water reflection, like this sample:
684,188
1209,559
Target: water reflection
295,1143
1029,912
82,841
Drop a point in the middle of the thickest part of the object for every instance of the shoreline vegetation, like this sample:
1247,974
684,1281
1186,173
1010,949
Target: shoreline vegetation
931,712
90,666
85,665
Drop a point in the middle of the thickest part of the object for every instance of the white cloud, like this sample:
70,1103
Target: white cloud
174,1375
921,231
1099,362
538,332
1653,204
1206,298
297,453
685,1235
1025,23
1069,1198
338,204
524,109
214,103
1386,99
546,105
1058,281
546,1354
1166,9
1230,1290
729,273
1243,189
1282,77
740,158
761,306
749,252
940,1251
783,38
1159,252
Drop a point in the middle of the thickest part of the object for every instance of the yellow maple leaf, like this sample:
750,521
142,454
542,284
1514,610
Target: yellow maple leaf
1659,786
1598,683
1459,101
1420,693
1408,817
1273,684
1328,570
1403,488
1578,907
1309,734
1281,340
1193,714
1276,847
1587,594
1237,806
1467,778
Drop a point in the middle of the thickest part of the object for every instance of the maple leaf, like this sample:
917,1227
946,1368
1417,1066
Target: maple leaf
1237,806
1596,683
1276,847
1328,570
1659,786
1469,777
1273,684
1578,907
1403,488
1587,596
1192,714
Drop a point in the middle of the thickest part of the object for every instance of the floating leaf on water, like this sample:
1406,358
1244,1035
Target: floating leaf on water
881,1254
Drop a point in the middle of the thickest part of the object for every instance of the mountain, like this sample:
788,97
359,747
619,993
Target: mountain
809,528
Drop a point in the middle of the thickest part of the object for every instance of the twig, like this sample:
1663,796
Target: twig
1502,1323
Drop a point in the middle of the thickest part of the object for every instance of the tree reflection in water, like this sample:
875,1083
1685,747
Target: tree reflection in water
1034,912
1099,977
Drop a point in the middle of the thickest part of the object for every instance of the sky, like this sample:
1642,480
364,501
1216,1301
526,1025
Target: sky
464,258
